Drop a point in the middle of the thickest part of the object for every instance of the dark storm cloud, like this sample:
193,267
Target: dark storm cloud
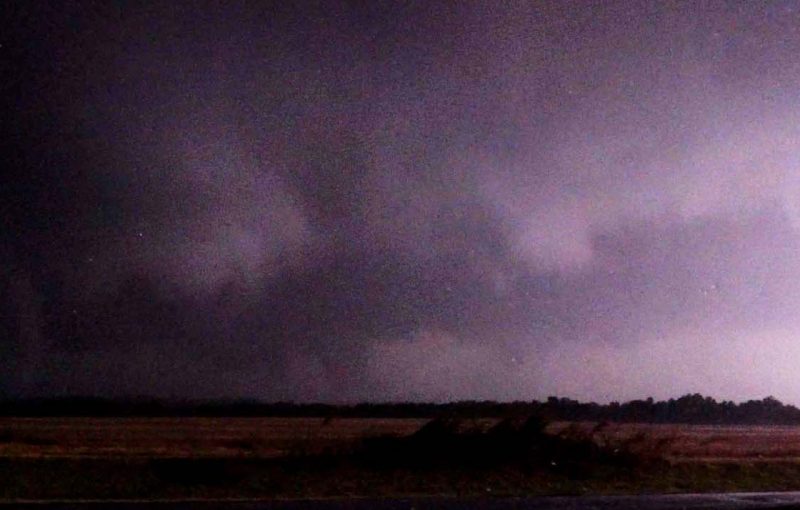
398,200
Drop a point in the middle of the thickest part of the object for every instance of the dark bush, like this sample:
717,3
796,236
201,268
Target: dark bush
199,471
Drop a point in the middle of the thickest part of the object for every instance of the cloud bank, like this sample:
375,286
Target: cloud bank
402,201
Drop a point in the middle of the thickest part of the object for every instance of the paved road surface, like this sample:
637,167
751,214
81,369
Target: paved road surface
737,501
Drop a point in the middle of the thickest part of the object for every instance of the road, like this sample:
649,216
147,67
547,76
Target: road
733,501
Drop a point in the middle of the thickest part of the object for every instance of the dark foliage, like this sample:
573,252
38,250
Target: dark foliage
200,471
519,443
687,409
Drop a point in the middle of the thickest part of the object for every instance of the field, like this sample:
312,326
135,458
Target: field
703,443
187,437
65,458
277,437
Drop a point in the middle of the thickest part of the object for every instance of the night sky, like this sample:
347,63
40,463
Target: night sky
345,201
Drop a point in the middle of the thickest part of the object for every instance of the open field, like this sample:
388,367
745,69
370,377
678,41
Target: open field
164,458
277,437
701,443
187,437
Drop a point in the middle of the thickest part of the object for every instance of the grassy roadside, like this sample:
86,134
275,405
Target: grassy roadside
251,478
512,458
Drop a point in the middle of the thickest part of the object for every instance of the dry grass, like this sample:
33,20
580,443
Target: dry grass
64,458
276,437
703,443
187,437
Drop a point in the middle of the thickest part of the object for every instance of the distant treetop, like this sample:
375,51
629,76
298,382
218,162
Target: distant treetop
690,408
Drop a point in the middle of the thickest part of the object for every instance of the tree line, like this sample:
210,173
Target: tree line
692,408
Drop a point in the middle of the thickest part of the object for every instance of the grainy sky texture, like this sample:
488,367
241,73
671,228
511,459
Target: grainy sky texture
342,201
